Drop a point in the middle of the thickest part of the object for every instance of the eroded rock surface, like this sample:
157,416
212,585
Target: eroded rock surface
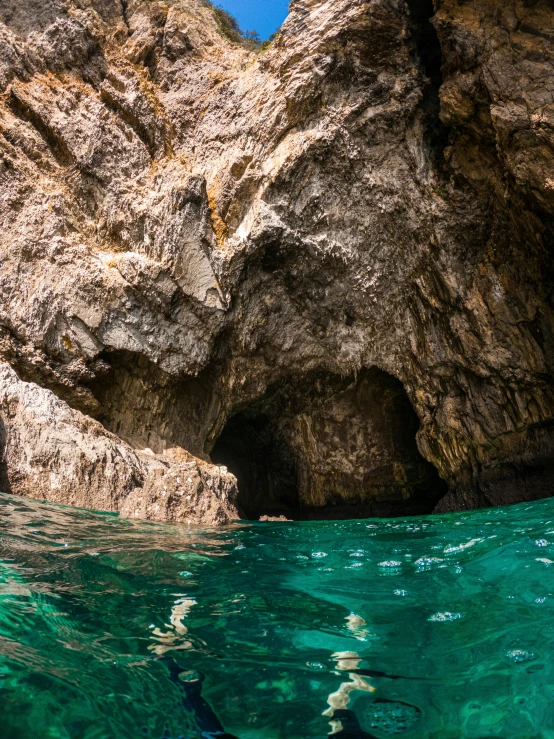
187,225
53,452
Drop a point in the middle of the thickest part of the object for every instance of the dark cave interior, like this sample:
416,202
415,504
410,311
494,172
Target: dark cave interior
322,446
264,464
429,53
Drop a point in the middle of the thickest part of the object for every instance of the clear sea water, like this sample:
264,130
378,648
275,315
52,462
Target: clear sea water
439,627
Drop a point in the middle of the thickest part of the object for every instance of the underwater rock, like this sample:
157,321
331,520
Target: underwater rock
195,233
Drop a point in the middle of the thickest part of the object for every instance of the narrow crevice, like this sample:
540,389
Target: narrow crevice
55,143
429,54
5,486
124,13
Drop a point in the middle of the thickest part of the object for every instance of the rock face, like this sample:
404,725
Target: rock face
328,265
52,452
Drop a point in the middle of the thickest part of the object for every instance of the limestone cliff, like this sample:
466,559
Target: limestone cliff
327,266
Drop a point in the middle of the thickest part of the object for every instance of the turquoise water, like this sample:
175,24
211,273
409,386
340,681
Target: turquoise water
434,627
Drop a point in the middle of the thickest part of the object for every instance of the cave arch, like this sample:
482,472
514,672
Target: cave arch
323,446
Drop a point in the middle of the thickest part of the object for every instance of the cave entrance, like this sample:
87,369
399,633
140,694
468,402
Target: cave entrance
322,446
256,452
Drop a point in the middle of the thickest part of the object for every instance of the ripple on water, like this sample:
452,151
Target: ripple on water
520,655
442,616
390,567
128,629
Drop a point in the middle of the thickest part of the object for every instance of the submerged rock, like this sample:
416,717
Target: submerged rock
239,254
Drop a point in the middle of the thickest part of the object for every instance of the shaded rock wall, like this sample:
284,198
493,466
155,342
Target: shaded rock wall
186,225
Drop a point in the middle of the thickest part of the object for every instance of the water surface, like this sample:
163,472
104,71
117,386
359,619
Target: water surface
438,627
